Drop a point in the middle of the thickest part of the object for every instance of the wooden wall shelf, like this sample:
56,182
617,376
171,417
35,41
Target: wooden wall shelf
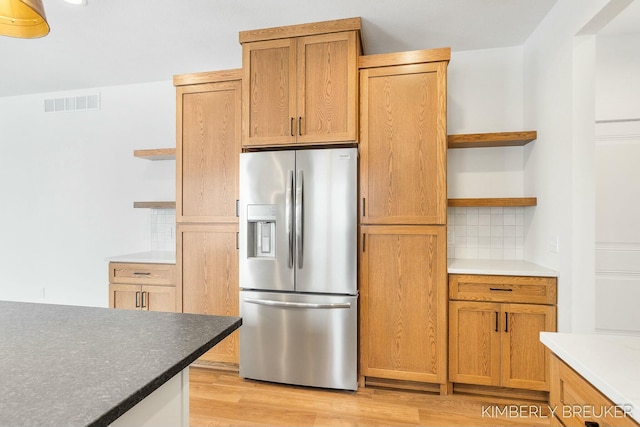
155,205
498,139
156,154
494,202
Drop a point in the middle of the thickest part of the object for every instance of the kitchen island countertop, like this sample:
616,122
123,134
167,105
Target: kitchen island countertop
498,267
608,362
86,366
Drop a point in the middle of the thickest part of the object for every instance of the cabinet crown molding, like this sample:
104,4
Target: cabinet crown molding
301,30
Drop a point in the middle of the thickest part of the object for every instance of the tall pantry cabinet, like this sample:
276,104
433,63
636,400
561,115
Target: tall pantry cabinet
207,165
403,268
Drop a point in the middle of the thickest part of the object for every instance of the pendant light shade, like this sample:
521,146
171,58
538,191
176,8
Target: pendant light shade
23,18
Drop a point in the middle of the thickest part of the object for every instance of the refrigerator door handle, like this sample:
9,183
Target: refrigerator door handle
299,217
288,213
284,304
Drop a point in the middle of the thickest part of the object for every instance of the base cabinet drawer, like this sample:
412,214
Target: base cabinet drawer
142,273
578,403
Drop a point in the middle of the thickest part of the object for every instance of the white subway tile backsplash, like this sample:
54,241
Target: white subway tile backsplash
163,229
486,233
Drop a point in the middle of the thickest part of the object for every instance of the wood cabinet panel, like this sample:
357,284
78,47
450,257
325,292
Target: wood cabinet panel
403,300
525,360
403,140
474,346
208,149
142,297
208,277
269,92
327,88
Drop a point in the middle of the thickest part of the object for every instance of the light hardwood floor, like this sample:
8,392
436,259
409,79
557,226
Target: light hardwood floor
219,398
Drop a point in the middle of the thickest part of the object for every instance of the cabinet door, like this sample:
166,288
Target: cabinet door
327,88
208,149
125,296
269,92
474,342
404,302
403,144
158,298
525,360
208,277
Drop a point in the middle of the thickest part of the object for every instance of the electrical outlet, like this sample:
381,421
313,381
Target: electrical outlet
554,244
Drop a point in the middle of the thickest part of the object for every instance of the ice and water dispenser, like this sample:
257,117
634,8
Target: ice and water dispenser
261,231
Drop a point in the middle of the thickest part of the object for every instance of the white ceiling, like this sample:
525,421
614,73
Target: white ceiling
112,42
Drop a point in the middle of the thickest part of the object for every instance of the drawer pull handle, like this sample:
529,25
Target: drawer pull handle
501,289
136,273
497,321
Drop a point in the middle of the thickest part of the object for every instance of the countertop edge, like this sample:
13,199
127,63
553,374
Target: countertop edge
148,257
498,267
135,398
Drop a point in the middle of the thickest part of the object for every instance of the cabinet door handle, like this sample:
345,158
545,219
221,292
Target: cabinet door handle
291,126
497,321
363,205
300,126
137,299
144,304
506,321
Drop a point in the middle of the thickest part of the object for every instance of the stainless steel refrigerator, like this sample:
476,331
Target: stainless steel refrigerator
298,267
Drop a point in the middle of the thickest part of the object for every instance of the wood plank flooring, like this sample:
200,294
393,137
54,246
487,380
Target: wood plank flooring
219,398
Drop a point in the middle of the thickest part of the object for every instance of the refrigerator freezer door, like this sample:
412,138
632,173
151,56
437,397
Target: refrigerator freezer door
326,221
299,339
266,220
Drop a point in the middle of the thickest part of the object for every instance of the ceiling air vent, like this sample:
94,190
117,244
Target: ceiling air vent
72,103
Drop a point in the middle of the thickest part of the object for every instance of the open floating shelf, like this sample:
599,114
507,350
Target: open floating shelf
156,154
155,205
494,202
498,139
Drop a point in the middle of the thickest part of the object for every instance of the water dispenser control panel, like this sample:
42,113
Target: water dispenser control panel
261,231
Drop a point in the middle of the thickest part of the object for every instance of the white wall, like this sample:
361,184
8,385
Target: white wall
617,184
559,168
485,93
68,181
617,78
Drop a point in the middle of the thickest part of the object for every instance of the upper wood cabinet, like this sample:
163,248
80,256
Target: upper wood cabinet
300,84
403,138
208,146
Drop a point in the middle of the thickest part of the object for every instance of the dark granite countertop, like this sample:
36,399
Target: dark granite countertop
85,366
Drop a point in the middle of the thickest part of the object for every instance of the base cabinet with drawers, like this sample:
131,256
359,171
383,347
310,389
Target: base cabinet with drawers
140,286
494,328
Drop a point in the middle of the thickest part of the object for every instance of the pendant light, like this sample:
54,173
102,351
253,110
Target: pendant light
23,18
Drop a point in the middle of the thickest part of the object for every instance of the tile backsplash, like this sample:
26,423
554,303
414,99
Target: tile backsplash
163,229
485,233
